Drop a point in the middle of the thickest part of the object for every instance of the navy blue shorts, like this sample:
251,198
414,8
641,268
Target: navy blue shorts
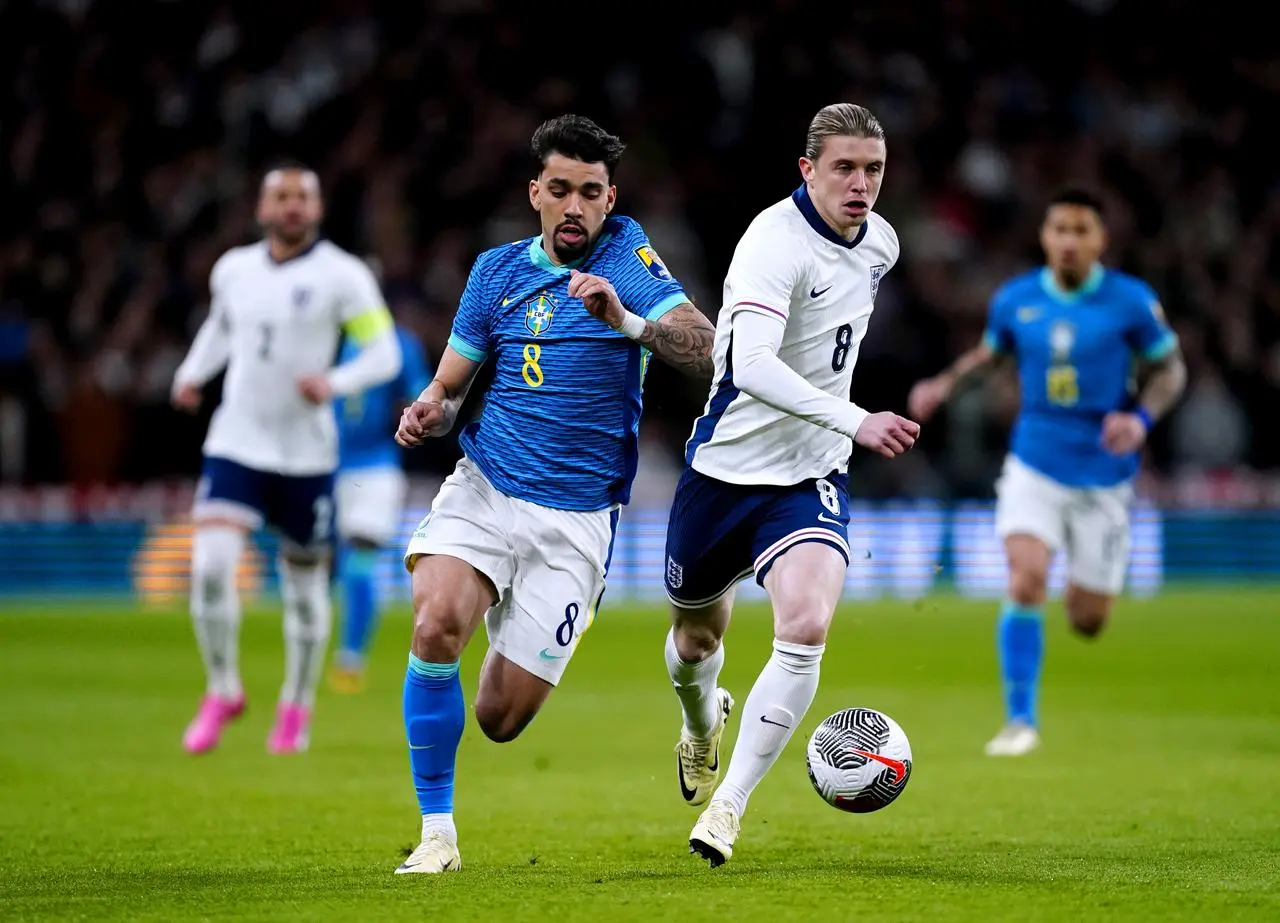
720,533
299,507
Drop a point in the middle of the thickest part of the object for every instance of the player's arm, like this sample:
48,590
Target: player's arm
759,372
377,359
997,343
209,354
1165,377
436,409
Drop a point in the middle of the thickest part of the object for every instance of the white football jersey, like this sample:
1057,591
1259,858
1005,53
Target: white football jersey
281,321
791,265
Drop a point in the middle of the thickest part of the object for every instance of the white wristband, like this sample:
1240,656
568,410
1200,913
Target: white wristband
632,326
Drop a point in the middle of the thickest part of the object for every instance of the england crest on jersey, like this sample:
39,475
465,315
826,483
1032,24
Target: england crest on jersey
538,313
876,272
675,574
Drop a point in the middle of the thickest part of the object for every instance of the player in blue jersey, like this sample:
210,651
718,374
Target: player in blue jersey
520,534
369,494
1074,328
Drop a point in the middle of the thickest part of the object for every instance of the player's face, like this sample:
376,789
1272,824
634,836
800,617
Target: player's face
845,180
289,206
1073,239
573,198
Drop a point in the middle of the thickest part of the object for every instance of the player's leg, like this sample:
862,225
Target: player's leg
369,504
461,561
228,506
303,513
556,591
1098,557
708,553
802,556
1030,520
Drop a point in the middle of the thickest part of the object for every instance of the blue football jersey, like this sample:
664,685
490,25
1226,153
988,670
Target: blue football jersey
1075,353
367,421
560,423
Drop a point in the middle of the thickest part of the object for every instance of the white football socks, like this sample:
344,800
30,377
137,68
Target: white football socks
308,619
777,703
215,606
695,685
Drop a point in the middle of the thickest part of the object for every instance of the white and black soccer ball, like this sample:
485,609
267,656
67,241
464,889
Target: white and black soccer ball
859,760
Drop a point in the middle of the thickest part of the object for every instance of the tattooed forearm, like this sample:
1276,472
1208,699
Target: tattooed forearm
682,339
1165,382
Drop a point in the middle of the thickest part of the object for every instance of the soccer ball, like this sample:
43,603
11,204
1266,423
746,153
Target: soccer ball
859,760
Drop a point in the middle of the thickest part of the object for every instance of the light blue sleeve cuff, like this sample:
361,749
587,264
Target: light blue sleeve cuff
1162,347
991,341
666,305
465,349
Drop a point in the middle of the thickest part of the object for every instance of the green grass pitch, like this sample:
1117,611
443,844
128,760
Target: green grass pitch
1156,795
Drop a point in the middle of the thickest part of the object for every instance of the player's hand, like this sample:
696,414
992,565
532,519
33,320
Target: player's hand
887,434
598,297
927,396
186,398
420,421
315,388
1123,433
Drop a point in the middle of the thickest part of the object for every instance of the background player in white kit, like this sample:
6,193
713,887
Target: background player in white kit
765,487
278,308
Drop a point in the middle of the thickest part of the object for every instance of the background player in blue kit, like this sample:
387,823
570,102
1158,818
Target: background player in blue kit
1074,328
521,533
369,493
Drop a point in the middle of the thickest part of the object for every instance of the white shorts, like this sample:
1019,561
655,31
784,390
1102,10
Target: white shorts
370,503
547,565
1091,523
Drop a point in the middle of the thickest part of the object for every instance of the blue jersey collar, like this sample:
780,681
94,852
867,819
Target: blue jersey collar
1091,284
819,224
538,256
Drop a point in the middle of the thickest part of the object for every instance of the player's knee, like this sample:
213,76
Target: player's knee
501,722
695,640
802,619
1027,585
439,623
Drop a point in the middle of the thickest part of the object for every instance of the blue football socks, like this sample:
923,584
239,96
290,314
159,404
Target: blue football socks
360,604
434,713
1020,641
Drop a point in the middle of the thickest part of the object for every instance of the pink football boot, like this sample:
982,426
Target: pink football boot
290,733
206,728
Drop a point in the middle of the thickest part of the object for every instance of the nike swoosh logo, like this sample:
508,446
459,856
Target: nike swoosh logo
823,517
546,654
423,747
774,723
815,293
688,793
898,766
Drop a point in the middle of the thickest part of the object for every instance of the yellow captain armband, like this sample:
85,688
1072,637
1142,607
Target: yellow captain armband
369,325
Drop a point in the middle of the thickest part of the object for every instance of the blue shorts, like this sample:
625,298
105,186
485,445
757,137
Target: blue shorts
720,533
299,507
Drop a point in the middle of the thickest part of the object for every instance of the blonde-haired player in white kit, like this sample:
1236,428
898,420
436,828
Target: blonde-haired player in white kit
278,308
765,487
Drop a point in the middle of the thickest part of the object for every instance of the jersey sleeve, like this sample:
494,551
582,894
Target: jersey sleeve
764,272
1149,334
998,337
644,284
362,311
473,322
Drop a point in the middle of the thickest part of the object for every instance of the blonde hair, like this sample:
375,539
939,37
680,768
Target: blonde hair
840,119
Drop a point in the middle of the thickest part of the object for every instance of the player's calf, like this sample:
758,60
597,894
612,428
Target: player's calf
1087,610
508,698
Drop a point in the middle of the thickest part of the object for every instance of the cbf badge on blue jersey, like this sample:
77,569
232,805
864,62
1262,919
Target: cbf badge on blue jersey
539,311
653,263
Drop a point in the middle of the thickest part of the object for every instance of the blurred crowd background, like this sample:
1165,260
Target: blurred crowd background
132,136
